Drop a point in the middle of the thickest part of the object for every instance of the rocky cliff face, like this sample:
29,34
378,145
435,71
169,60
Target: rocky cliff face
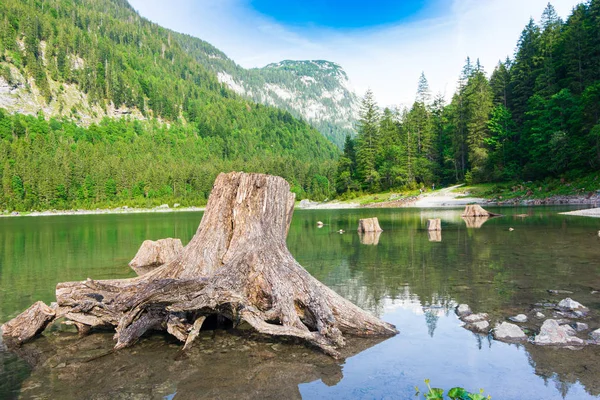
317,91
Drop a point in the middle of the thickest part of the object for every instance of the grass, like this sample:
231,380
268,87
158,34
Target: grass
577,186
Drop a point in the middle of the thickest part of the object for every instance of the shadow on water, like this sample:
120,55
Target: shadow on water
404,275
219,365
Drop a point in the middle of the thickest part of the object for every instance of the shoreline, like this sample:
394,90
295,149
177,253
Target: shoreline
99,211
433,200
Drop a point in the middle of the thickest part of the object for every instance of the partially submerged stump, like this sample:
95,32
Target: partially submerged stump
237,266
369,225
153,254
434,224
475,210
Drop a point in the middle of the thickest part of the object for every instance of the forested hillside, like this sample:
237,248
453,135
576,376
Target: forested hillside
317,91
536,117
80,60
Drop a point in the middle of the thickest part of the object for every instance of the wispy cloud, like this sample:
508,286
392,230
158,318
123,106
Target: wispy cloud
386,59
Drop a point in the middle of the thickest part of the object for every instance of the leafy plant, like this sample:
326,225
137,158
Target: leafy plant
456,393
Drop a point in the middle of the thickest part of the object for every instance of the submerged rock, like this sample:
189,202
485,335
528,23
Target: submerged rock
551,333
595,336
508,332
572,309
569,304
539,315
472,318
580,326
519,318
558,291
463,310
479,326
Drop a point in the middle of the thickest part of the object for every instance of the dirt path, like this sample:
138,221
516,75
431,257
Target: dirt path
445,197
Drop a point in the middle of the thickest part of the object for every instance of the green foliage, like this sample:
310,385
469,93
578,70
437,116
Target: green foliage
537,117
57,164
456,393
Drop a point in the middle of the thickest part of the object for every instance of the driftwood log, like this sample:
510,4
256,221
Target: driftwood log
237,266
369,225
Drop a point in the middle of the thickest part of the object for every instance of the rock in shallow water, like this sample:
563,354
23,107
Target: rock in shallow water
580,326
595,336
569,304
519,318
463,310
471,318
551,333
508,332
539,315
479,326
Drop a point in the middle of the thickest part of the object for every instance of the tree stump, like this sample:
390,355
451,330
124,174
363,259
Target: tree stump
369,225
237,266
153,254
475,210
434,224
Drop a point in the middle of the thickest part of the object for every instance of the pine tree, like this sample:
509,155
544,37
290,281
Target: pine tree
368,142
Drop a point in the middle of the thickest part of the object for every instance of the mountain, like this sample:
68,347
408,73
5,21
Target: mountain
99,106
317,91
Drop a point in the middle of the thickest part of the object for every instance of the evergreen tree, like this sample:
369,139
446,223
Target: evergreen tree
368,142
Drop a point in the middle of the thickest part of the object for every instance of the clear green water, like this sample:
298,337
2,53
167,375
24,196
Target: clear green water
406,279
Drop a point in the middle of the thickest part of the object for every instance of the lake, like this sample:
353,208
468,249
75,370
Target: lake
403,275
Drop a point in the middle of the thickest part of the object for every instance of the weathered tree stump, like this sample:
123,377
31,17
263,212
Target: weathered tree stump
153,254
369,225
434,224
237,266
475,210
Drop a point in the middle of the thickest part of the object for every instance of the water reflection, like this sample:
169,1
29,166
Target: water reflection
400,275
369,238
434,236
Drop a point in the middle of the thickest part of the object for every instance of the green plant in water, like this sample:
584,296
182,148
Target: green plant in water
456,393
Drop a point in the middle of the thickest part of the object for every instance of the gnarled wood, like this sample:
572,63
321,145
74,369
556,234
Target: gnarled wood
29,323
369,225
236,266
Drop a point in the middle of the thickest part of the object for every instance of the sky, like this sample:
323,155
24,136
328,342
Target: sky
383,45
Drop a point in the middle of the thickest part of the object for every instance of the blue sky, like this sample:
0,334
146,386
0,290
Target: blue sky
382,44
345,14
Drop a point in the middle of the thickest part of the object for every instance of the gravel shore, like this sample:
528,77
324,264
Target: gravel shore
590,212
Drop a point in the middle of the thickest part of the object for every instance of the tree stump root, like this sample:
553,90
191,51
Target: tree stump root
236,266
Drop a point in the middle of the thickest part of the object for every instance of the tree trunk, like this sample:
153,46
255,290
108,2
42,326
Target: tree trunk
475,210
434,224
236,266
369,225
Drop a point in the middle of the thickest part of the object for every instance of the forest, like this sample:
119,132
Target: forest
536,117
194,127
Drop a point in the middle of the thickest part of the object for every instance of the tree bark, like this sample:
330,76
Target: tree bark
475,210
369,225
434,224
236,266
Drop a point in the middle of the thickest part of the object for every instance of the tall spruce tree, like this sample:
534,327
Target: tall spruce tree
368,142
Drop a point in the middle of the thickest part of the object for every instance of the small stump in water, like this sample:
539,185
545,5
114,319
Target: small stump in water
369,225
237,266
153,254
434,224
475,210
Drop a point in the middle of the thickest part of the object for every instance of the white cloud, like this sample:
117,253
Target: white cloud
389,60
